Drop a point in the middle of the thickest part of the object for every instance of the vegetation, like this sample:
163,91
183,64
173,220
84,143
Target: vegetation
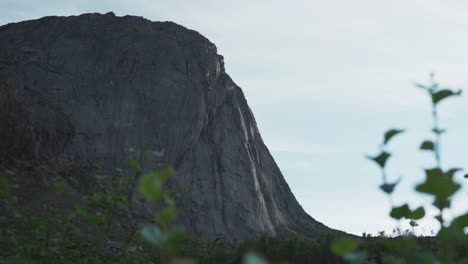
450,245
110,223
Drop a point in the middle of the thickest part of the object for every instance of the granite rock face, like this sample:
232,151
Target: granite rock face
87,88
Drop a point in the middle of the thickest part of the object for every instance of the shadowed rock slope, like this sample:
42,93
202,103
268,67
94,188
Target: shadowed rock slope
84,89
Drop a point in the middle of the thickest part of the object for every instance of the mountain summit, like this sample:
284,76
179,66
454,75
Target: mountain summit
85,89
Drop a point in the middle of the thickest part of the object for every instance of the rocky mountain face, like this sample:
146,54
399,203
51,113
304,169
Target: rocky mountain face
84,89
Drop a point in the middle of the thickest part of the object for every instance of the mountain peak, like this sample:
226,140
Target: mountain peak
90,87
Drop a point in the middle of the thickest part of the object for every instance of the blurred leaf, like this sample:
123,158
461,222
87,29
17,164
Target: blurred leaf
413,223
175,237
356,258
405,212
170,194
441,203
166,172
391,133
153,234
400,212
389,187
342,247
439,131
461,221
151,186
443,94
166,215
417,214
450,173
253,258
380,159
427,145
455,231
438,184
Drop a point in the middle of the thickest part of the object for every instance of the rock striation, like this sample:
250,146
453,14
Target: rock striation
86,88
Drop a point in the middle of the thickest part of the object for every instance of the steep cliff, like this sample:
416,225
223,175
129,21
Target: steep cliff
87,88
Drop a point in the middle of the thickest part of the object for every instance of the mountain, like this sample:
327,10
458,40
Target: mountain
83,90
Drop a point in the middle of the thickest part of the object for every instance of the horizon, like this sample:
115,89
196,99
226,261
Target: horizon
322,98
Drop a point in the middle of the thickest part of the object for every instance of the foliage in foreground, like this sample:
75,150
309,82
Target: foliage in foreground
106,225
451,242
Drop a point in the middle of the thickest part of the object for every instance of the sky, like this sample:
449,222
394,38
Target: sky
325,80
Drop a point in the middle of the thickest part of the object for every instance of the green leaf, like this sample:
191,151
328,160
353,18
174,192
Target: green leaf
166,172
167,215
405,212
450,173
438,184
153,234
390,134
441,203
170,194
380,159
400,212
342,247
150,186
443,94
417,214
427,145
389,187
175,237
413,223
455,231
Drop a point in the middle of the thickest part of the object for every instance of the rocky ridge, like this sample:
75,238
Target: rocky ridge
85,89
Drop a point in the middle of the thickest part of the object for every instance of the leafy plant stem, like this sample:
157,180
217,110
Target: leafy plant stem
437,131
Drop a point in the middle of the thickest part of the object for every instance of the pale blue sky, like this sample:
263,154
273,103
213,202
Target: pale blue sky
325,79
